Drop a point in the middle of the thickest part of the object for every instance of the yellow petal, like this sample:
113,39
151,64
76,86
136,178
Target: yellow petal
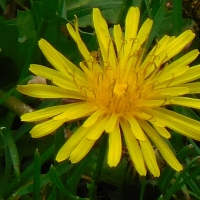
162,146
44,113
171,74
162,131
136,52
144,31
81,150
104,39
111,123
135,127
174,91
76,111
48,91
61,63
194,88
117,32
93,118
115,147
153,103
149,156
62,80
97,129
133,148
177,122
190,75
185,101
45,128
76,36
183,60
70,145
91,72
179,43
159,48
132,23
131,29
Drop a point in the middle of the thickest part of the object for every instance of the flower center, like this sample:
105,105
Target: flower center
120,89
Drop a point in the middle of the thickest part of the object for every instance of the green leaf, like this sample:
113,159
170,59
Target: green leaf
177,17
59,139
7,172
160,198
44,179
167,175
36,176
52,195
3,4
75,174
143,185
183,177
25,24
92,187
16,184
9,48
188,112
82,8
191,183
57,182
49,9
17,45
10,143
157,13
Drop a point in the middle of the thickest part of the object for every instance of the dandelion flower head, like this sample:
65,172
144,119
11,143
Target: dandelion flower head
121,90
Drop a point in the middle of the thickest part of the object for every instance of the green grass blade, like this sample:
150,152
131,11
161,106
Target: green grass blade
177,17
194,187
158,18
15,184
7,172
26,188
10,143
36,176
168,174
57,182
178,183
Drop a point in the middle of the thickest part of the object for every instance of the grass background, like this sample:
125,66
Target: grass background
27,166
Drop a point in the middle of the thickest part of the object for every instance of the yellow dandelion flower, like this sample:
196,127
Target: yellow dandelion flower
122,91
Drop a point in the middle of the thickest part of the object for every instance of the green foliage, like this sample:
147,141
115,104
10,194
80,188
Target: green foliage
27,166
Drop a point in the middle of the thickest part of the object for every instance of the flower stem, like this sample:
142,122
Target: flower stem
14,104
